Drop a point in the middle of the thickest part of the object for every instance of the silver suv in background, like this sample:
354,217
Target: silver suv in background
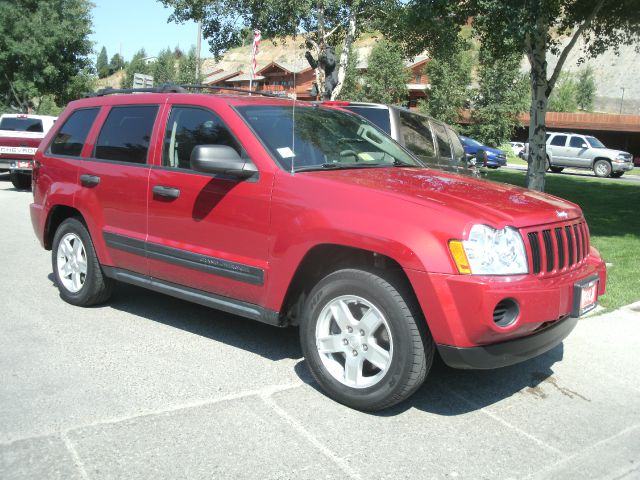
584,151
432,141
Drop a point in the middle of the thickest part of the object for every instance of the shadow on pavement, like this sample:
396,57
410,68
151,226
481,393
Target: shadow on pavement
446,392
450,392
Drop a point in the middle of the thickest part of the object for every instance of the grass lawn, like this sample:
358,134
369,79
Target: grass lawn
611,210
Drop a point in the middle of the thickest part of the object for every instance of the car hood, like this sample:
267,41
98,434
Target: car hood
497,151
611,152
497,204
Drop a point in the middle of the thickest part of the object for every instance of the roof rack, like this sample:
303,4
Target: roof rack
171,88
164,88
199,86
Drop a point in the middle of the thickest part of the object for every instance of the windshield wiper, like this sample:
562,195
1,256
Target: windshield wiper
323,166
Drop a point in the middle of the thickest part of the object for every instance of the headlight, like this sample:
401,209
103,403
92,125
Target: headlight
491,252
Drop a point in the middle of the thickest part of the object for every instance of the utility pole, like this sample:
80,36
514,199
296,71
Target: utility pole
622,99
198,51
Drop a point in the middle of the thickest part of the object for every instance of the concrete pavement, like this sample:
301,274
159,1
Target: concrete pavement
150,387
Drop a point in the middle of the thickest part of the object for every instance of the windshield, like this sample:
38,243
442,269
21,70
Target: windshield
470,142
21,124
594,142
321,138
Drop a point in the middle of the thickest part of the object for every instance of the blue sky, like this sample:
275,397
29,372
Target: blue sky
136,24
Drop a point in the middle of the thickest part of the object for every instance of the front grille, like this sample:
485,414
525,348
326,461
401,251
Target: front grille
557,248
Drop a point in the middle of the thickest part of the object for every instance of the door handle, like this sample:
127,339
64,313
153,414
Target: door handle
89,180
166,192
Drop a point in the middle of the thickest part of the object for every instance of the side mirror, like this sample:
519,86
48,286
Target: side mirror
220,159
584,145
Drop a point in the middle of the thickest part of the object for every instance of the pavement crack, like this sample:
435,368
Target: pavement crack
341,463
75,456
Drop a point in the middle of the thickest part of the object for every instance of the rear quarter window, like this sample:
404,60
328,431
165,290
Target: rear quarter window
71,137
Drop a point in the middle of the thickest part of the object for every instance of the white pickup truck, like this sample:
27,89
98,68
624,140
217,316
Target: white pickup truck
20,135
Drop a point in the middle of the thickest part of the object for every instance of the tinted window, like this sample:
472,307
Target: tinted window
188,127
377,116
71,137
21,124
458,149
417,135
126,133
443,141
559,140
595,143
577,142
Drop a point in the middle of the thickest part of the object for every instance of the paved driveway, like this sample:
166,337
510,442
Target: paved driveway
151,387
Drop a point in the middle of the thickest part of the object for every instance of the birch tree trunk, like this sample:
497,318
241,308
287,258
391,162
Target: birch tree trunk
537,160
346,51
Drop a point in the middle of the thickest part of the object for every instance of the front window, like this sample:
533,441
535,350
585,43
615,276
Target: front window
470,142
311,137
594,142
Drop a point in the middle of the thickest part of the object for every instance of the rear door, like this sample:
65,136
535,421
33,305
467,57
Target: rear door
558,146
207,232
113,183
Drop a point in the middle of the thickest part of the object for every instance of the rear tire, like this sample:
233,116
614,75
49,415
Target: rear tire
557,169
602,168
76,268
364,339
21,181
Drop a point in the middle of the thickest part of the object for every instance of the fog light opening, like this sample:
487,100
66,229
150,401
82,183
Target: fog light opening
506,312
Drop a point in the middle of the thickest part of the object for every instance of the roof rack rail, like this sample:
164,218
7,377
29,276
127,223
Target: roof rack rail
164,88
197,86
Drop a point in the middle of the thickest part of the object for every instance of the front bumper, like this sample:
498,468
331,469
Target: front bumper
459,309
509,352
621,167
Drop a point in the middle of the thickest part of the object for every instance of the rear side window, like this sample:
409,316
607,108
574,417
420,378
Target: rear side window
458,149
21,124
126,133
559,140
417,135
442,139
378,116
71,137
189,127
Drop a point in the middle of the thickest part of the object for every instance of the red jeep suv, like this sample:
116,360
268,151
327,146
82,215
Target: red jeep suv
296,214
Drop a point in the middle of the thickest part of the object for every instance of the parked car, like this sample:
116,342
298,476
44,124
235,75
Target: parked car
517,148
294,214
20,135
484,155
434,142
585,151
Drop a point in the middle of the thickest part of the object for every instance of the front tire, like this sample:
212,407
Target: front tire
602,168
76,269
616,174
21,181
364,339
557,169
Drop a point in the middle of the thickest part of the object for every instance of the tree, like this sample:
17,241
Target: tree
187,68
449,78
535,29
321,23
499,100
564,96
387,75
116,63
352,85
44,50
102,63
136,65
164,68
586,89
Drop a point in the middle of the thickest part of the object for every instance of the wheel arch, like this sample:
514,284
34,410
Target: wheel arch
57,215
324,259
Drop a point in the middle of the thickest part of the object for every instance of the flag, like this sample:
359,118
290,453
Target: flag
256,47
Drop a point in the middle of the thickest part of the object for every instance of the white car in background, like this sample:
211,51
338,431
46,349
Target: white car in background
517,147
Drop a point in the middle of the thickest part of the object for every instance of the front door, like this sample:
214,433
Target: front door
206,232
